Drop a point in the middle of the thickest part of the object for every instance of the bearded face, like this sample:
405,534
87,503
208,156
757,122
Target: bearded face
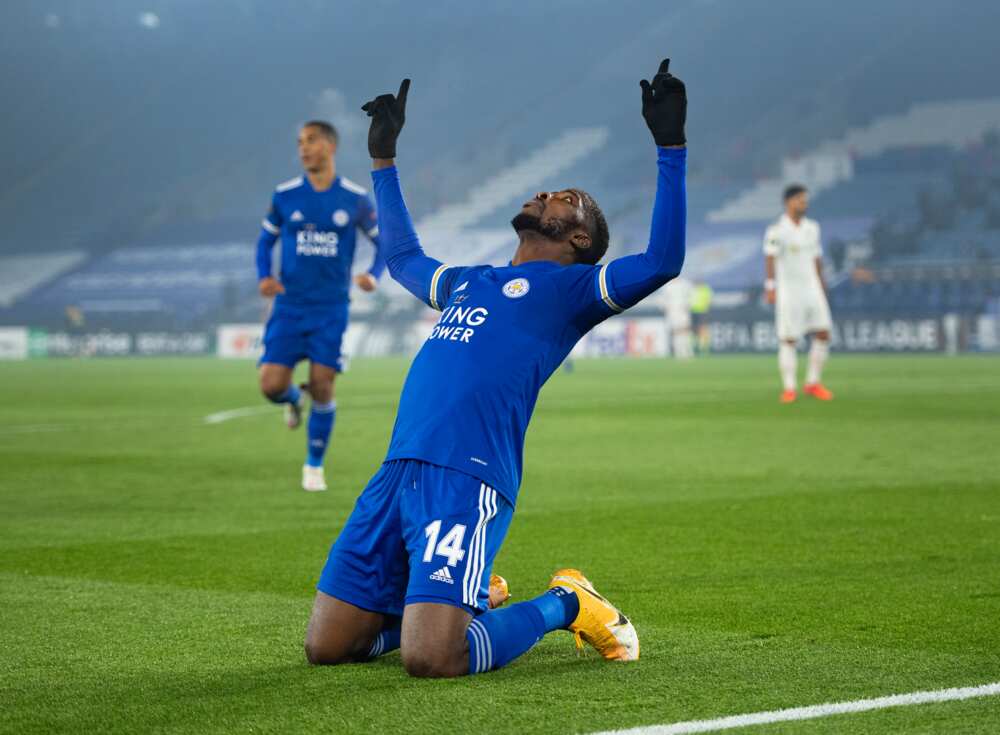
553,228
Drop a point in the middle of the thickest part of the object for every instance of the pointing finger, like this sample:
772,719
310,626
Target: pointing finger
404,89
664,67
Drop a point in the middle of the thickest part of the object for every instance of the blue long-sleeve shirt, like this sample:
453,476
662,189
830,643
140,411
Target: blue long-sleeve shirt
503,331
318,232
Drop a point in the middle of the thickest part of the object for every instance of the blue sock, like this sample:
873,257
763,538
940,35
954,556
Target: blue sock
499,636
291,395
386,641
320,425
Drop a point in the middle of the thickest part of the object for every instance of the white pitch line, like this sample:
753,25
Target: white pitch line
237,413
813,711
371,401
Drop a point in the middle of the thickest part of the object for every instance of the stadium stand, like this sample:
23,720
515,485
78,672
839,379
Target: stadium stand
21,274
165,287
506,186
955,124
940,251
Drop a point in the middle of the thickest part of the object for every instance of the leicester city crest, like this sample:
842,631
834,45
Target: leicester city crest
341,218
516,289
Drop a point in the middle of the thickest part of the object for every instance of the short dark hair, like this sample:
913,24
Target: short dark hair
793,190
324,127
597,228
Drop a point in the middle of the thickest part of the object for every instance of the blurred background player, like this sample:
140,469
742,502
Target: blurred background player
676,300
794,265
316,216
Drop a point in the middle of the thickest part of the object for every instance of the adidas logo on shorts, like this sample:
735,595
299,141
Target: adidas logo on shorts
443,575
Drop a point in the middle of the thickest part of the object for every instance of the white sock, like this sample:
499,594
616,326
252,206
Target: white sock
682,345
787,364
817,358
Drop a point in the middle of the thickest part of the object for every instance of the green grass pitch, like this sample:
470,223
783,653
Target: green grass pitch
156,572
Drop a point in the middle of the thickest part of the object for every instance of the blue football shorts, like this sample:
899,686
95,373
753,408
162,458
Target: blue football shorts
418,533
296,333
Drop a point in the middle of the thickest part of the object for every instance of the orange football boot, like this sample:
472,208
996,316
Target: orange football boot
599,623
818,391
788,396
499,591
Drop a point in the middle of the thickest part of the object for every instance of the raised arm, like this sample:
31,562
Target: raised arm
419,274
624,282
426,278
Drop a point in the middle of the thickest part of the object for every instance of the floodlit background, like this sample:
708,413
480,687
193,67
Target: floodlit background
140,142
158,557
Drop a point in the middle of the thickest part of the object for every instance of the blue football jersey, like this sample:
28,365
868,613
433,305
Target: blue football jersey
472,387
503,331
318,233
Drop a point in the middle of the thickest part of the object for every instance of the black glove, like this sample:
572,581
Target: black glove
664,105
388,114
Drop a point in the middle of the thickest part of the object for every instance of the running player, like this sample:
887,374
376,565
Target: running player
794,263
316,216
421,540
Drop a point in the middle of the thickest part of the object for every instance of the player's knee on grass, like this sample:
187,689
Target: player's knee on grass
433,640
330,652
424,662
339,632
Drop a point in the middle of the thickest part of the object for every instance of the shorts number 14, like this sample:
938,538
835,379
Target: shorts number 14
450,546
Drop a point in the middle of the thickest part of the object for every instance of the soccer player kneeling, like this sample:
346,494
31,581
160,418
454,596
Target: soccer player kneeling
410,568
